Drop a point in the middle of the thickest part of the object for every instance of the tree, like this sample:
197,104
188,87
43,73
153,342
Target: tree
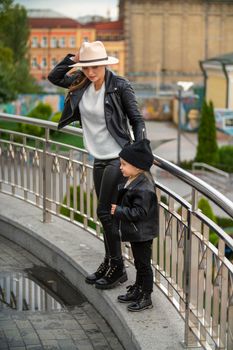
207,149
7,90
14,66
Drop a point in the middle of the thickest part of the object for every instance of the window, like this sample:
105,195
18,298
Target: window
44,42
62,42
44,62
53,62
34,63
72,41
35,42
53,42
228,122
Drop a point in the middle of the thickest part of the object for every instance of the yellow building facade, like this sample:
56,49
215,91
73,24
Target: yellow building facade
218,78
169,37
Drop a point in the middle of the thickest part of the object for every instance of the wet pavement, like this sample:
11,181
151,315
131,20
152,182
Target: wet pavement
41,310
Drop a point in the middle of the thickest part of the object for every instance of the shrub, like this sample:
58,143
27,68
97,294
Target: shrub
41,111
206,209
226,158
56,117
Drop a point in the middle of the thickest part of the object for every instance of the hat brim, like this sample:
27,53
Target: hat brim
110,60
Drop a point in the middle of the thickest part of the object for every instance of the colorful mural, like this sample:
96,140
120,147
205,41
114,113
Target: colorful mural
25,103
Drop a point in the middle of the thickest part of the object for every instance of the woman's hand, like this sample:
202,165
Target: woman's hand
113,208
75,58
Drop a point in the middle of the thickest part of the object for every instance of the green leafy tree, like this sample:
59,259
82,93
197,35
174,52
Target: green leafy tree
207,149
7,89
14,35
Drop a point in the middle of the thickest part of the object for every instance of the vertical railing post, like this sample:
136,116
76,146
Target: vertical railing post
190,340
46,179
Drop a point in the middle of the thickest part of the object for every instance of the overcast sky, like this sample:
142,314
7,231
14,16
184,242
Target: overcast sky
74,8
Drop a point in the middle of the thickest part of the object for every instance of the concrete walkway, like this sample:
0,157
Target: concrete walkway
74,253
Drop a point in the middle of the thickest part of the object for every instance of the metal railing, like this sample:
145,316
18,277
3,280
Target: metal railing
214,176
195,275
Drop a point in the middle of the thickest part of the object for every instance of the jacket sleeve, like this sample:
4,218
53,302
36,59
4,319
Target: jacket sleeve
138,210
131,109
58,75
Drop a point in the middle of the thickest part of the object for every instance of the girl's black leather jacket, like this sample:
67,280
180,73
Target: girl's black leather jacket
137,213
120,104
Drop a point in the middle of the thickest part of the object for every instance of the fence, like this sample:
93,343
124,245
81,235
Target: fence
195,275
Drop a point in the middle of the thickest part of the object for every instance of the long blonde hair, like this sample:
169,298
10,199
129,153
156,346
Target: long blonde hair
79,81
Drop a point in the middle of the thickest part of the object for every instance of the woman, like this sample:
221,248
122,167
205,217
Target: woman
103,103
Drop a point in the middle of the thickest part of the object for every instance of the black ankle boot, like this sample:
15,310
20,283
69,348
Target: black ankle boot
100,272
116,274
133,294
143,303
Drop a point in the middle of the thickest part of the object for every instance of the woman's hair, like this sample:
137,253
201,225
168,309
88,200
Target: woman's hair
78,82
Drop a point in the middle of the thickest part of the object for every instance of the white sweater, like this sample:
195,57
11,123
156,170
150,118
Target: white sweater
97,139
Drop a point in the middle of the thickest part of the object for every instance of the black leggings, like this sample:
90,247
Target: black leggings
107,176
142,260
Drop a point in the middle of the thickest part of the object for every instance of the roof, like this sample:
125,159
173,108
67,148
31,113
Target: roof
223,59
38,13
105,25
61,22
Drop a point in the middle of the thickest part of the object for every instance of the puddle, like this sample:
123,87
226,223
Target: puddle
37,289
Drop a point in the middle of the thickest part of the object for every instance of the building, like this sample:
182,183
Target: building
111,33
218,79
53,36
166,39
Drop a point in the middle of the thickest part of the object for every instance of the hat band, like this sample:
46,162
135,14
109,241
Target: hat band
96,60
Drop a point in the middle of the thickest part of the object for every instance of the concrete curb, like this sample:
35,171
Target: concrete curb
74,253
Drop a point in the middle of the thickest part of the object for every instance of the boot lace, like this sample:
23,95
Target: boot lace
103,266
111,271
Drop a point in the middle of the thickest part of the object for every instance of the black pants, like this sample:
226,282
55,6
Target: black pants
142,261
107,176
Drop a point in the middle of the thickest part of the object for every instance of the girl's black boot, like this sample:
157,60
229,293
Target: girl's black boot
134,293
143,303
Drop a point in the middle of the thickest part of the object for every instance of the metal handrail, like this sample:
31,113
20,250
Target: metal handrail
190,179
200,185
196,276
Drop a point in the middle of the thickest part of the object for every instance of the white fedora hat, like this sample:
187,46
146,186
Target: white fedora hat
94,54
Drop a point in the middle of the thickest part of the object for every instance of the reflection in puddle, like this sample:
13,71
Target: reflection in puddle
37,289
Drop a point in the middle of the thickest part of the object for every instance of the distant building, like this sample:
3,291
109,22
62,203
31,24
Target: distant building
218,78
53,36
112,35
168,38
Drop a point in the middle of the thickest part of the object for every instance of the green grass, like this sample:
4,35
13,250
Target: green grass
69,139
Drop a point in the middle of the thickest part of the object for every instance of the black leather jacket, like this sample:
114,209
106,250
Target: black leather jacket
136,215
120,104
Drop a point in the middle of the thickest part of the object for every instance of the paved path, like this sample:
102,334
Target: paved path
70,328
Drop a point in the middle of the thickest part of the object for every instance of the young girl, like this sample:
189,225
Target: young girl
136,214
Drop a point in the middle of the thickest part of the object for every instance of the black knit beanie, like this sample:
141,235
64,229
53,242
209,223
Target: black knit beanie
138,154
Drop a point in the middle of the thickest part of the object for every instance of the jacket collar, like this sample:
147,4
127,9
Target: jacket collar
110,81
140,178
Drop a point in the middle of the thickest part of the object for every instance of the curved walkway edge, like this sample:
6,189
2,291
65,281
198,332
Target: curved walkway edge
74,253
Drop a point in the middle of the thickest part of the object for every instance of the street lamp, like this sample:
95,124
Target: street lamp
182,86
